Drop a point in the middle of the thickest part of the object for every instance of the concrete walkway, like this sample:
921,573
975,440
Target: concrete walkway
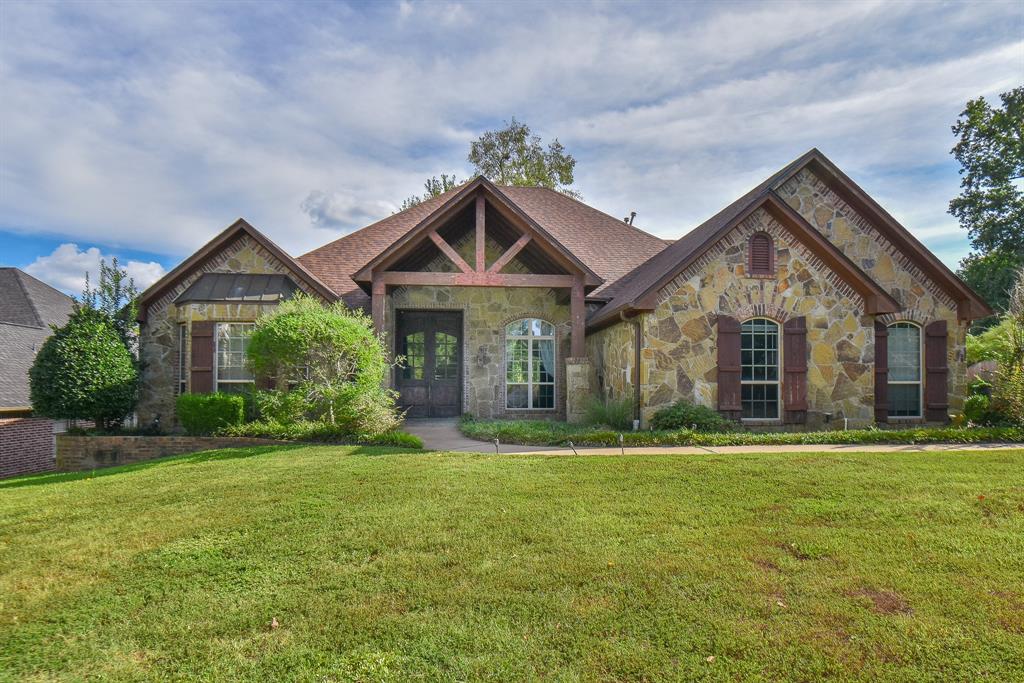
444,435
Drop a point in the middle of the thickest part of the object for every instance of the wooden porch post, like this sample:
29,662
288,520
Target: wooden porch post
578,313
377,291
481,252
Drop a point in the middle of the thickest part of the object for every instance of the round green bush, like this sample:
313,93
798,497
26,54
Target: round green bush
84,372
685,415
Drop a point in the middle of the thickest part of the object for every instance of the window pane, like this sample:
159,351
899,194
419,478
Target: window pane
232,343
543,360
904,353
446,354
517,396
516,359
760,401
414,350
544,396
519,328
904,400
759,355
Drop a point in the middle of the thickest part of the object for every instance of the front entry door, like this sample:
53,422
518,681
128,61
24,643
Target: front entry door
430,384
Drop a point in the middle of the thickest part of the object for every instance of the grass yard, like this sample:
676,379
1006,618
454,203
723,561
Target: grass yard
382,565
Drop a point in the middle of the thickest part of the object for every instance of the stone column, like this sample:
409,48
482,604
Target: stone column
578,388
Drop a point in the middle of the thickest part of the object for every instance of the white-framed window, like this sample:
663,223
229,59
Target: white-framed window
759,369
904,361
530,365
182,358
230,369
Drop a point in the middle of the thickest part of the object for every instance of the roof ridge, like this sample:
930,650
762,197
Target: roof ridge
18,272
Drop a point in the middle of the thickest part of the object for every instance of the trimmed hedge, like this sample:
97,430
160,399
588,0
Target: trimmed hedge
543,433
204,414
319,432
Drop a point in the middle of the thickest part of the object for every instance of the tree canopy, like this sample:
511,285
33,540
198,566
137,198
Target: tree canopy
990,206
510,156
117,298
84,371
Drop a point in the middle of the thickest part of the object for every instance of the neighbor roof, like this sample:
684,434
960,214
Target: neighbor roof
605,245
27,309
627,293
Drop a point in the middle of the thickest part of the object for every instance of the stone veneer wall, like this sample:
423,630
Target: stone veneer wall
158,339
922,300
612,355
485,313
679,358
77,453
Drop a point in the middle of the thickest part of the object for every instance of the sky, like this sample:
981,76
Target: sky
141,130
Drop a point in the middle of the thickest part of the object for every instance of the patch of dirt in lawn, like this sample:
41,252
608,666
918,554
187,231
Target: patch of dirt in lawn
883,601
767,565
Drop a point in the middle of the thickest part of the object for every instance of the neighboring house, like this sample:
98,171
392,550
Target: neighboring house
28,307
802,301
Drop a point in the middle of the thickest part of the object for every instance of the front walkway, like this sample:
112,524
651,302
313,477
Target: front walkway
444,435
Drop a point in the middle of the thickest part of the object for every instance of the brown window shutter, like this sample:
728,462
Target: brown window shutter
762,254
202,357
794,367
729,367
881,372
936,392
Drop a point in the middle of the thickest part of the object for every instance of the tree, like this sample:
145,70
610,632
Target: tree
117,298
513,156
84,372
990,206
332,357
1009,379
433,186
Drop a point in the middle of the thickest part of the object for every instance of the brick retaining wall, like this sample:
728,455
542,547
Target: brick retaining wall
77,453
26,445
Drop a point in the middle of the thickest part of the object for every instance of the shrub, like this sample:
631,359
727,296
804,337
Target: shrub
319,432
976,407
334,360
280,406
204,414
611,413
685,415
84,372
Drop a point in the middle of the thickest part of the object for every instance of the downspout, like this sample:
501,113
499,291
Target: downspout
637,349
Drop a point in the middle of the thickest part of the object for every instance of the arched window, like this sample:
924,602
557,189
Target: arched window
762,254
759,369
530,365
904,361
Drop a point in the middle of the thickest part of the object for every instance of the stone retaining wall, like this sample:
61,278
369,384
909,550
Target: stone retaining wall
77,453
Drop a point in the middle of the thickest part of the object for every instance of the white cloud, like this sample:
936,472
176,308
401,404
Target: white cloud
66,266
156,125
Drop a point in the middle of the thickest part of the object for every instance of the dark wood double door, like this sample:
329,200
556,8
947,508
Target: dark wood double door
430,383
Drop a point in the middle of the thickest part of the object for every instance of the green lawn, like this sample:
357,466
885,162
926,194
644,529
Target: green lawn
381,565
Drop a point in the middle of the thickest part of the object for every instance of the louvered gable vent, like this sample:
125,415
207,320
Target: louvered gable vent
762,254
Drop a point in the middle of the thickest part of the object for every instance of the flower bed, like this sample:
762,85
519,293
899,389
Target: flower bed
544,433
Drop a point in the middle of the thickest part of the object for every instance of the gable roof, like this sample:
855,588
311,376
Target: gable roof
27,309
210,249
604,245
627,293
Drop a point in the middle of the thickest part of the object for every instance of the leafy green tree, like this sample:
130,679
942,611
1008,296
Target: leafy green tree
330,355
513,156
990,206
84,372
1009,378
434,186
117,298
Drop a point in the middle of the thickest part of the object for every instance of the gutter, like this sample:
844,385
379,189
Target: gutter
638,340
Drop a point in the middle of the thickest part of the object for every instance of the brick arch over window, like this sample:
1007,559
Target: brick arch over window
761,254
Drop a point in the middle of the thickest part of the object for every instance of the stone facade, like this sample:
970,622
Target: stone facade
612,354
158,339
922,300
679,356
485,313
